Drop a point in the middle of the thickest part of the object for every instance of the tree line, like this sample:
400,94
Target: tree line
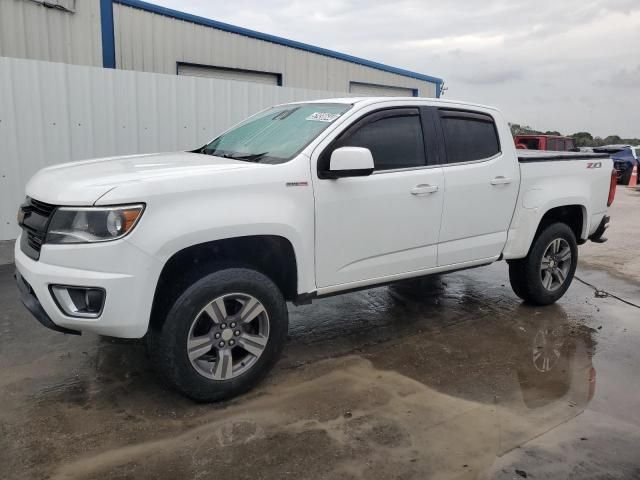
580,139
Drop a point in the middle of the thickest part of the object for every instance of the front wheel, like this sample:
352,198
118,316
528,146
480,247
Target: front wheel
544,275
222,335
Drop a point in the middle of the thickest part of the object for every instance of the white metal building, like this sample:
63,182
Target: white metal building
136,35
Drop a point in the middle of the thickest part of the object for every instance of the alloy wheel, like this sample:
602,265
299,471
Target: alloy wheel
555,264
228,336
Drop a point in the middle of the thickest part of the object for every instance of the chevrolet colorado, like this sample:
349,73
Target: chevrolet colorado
200,251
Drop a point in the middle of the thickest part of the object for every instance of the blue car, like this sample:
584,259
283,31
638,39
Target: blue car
623,162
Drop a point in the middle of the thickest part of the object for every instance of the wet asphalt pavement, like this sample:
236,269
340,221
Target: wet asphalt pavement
447,378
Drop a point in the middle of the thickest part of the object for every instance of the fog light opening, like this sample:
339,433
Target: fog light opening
81,302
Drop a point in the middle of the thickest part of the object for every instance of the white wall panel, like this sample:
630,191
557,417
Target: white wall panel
54,112
30,30
150,42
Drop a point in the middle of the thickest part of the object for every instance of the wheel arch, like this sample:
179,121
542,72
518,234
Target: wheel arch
573,215
529,222
272,255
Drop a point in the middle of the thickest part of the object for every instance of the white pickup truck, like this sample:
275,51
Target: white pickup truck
200,251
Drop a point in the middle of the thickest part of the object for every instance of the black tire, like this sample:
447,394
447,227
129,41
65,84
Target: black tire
625,178
168,343
525,275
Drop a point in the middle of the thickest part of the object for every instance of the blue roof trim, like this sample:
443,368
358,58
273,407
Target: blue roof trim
168,12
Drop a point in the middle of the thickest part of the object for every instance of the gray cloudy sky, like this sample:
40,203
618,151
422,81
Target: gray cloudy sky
568,65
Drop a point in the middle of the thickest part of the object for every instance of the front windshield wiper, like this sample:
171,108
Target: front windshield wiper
254,157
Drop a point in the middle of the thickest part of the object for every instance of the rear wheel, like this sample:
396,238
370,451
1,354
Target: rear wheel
544,275
625,178
222,335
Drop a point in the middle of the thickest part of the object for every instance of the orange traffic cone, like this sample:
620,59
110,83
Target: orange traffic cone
633,181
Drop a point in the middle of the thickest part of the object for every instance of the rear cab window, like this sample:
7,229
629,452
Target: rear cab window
469,136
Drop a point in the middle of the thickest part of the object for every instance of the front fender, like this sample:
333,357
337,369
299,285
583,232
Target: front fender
180,242
184,212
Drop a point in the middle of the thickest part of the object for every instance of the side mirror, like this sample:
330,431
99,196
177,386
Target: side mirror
350,162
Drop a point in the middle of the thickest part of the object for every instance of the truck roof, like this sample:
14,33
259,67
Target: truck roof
370,100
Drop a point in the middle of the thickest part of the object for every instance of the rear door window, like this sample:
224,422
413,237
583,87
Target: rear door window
469,136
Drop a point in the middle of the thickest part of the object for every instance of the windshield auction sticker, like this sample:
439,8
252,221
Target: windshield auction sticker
323,117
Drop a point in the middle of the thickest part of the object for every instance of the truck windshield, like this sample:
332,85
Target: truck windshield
276,135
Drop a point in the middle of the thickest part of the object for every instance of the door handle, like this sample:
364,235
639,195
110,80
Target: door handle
424,189
500,180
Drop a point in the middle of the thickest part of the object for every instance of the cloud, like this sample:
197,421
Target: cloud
461,42
492,77
626,78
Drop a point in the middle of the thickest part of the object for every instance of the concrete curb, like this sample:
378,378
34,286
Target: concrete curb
6,252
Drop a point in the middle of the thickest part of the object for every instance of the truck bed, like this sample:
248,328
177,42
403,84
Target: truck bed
526,156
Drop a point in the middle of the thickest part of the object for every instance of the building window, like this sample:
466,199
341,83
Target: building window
224,73
373,90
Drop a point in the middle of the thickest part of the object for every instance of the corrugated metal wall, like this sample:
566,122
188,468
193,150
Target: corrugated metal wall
150,42
30,30
54,112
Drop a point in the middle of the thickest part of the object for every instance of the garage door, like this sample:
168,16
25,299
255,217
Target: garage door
371,90
228,74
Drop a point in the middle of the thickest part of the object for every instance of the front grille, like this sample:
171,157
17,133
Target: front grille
34,225
35,241
41,208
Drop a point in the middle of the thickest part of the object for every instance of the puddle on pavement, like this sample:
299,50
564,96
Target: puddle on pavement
430,379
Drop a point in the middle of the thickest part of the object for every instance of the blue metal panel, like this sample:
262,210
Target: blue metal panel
168,12
108,36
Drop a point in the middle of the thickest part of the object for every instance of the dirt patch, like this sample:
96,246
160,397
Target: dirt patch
352,420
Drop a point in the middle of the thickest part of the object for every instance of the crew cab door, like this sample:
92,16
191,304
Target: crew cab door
482,179
385,224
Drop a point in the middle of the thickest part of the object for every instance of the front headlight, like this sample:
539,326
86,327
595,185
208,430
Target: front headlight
92,224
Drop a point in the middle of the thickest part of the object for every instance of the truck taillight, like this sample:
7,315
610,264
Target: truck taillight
612,187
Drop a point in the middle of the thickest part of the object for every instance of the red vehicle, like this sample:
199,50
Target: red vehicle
544,142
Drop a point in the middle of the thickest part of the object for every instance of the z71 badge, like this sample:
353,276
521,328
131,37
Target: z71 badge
594,165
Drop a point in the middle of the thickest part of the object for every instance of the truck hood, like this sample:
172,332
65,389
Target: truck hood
83,183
